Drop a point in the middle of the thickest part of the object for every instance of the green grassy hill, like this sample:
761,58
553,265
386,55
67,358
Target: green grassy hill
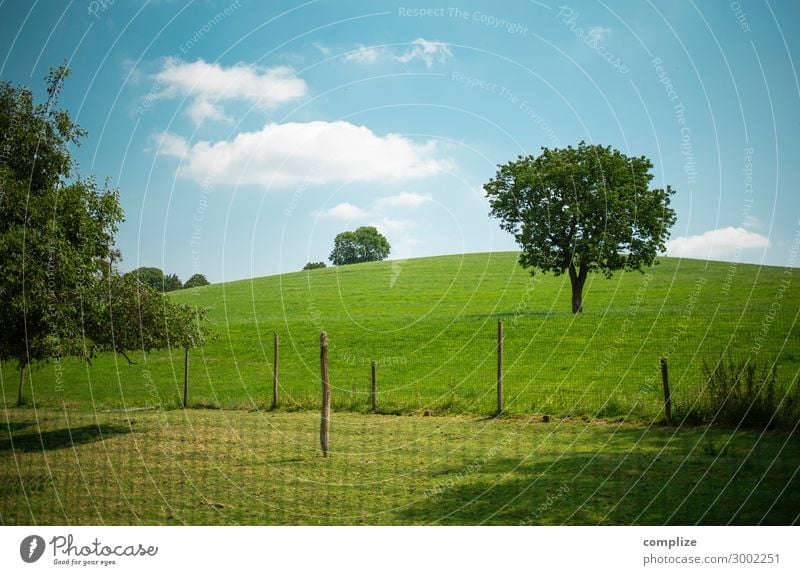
430,323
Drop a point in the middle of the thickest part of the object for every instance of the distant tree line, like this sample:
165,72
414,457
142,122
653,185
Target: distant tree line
159,281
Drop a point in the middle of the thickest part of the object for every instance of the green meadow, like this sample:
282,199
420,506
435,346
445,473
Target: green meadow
431,326
202,467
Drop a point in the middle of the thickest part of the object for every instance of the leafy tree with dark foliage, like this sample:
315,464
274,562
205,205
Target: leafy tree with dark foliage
314,266
157,279
172,282
197,280
366,244
151,277
579,210
59,292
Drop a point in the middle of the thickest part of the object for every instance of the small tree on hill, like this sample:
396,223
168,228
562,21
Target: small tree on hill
314,266
197,280
583,209
366,244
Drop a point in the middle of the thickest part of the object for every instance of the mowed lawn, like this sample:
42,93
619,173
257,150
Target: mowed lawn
238,467
431,325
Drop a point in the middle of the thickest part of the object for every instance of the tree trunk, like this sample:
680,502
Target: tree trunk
577,278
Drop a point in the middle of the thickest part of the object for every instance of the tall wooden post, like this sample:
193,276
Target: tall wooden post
275,371
324,428
667,396
185,378
20,397
374,392
499,367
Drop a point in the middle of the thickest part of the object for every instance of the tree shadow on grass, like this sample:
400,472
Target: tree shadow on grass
617,486
61,438
12,426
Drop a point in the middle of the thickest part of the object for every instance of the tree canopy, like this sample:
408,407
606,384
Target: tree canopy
366,244
197,280
157,279
314,266
60,294
583,209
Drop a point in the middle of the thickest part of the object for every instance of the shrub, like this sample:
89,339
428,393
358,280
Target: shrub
197,280
739,392
314,266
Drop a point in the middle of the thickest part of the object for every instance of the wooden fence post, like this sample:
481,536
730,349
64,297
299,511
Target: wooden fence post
324,428
667,396
185,378
499,367
374,393
20,397
275,371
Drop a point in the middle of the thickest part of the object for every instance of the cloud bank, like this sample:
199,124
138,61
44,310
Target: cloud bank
722,243
319,152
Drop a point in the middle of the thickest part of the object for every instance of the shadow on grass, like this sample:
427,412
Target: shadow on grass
61,438
12,426
632,486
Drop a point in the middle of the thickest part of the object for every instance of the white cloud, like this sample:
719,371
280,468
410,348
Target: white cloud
170,144
283,155
429,51
206,84
344,211
716,244
598,33
365,55
322,48
751,222
201,109
403,200
391,226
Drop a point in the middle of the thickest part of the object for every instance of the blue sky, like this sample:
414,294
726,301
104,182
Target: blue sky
244,135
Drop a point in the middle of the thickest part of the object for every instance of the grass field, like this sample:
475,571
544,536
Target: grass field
236,467
430,324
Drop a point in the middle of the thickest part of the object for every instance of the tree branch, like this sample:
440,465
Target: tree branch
122,353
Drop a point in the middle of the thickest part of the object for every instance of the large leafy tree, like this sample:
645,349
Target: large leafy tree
54,228
366,244
579,210
60,294
129,315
